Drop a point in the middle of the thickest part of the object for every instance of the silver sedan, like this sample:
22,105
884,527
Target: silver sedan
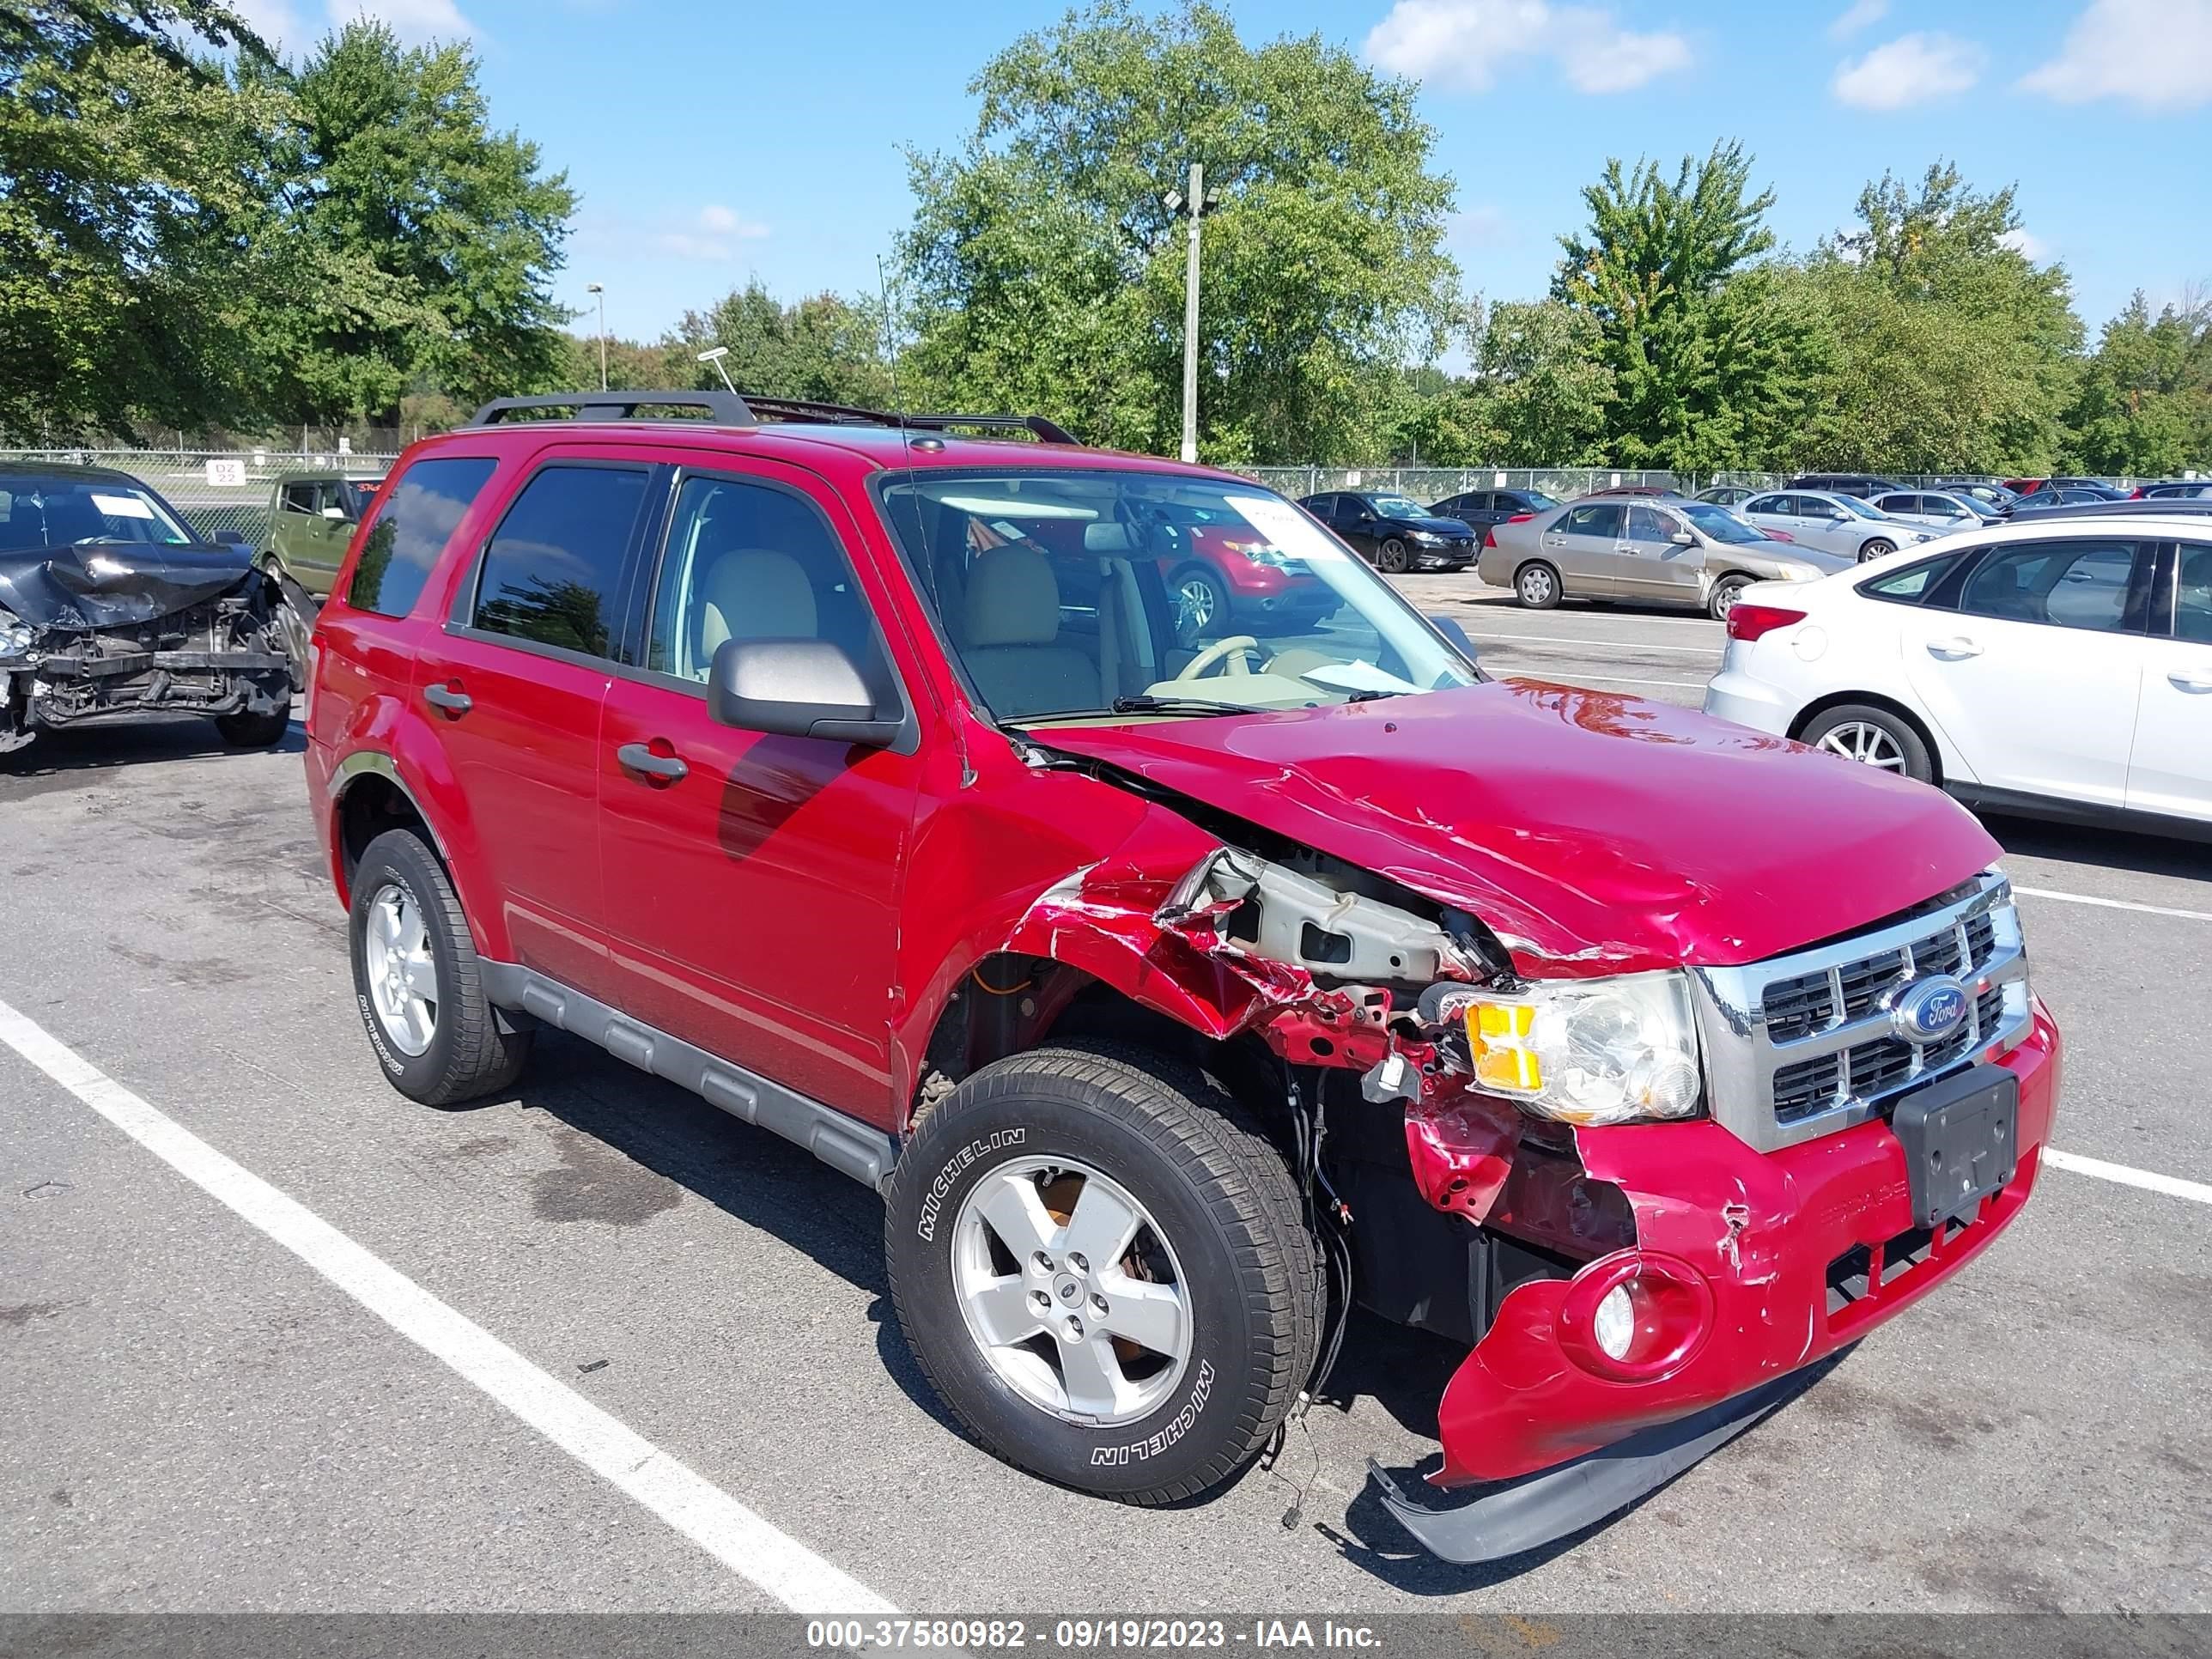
1663,551
1849,529
1941,509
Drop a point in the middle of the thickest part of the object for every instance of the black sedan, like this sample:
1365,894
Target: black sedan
1393,532
1479,509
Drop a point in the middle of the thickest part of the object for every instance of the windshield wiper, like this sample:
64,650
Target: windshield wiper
1143,702
1371,694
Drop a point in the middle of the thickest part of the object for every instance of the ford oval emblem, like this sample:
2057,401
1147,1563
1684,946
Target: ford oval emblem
1928,1010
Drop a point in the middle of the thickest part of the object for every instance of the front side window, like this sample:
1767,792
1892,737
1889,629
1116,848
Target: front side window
552,571
1718,524
63,512
747,561
1648,524
1091,593
2071,584
419,517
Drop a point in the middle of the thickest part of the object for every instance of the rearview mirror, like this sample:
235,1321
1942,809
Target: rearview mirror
795,689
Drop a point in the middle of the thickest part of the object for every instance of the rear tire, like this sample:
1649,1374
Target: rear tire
1537,587
983,1221
402,896
248,730
1874,737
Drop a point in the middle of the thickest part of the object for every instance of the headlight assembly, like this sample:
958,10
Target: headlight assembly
15,635
1589,1052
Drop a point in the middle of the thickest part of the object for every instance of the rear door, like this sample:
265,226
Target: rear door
2171,768
513,682
1584,543
2036,675
752,880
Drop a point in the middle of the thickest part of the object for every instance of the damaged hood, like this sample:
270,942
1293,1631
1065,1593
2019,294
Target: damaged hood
1594,834
92,585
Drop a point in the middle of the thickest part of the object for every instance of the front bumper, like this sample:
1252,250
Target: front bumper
1803,1251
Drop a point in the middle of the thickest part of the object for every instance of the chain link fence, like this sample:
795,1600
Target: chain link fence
215,489
1436,483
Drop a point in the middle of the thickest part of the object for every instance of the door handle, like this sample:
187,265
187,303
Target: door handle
636,757
1952,650
454,701
2182,680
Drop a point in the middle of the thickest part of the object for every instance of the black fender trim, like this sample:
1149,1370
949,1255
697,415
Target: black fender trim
844,1144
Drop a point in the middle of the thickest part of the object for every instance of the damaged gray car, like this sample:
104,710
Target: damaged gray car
111,604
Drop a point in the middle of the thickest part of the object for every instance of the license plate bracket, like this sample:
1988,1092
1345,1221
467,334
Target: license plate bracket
1962,1139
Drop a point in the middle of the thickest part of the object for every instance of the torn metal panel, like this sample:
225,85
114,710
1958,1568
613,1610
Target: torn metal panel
81,588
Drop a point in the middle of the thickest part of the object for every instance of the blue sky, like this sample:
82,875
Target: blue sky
713,140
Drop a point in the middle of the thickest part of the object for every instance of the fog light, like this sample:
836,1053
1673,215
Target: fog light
1614,1324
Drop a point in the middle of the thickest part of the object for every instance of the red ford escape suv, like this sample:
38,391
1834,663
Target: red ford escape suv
1180,982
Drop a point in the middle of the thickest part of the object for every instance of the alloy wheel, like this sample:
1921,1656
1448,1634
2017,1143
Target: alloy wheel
1391,557
1194,601
1071,1291
402,975
1866,743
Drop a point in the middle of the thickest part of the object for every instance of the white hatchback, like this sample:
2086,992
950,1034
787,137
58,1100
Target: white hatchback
2061,668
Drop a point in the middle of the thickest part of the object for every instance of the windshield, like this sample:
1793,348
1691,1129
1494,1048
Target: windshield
36,512
1398,506
1540,502
1110,593
1718,524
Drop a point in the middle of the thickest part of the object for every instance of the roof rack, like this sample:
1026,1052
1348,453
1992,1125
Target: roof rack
749,409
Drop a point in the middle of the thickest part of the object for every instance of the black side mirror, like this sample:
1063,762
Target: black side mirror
227,538
1449,628
796,688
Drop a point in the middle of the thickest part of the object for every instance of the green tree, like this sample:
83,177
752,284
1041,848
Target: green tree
1046,272
1952,348
138,255
1711,350
824,348
401,173
2144,404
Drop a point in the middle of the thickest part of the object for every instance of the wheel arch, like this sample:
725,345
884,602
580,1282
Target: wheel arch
372,791
1937,752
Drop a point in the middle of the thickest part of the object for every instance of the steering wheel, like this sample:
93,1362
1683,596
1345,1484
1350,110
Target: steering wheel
1219,652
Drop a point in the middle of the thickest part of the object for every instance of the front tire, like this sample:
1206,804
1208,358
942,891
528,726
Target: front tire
247,730
1876,548
1201,601
1873,737
1537,587
1103,1269
1726,591
418,980
1391,557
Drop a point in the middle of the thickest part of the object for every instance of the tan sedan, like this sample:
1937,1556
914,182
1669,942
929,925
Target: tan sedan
1658,550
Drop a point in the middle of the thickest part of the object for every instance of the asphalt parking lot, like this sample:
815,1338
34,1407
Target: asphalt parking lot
197,1419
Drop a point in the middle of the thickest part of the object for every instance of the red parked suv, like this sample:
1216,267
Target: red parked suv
1179,989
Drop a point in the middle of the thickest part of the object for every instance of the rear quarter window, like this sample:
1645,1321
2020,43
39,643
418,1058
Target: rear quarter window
1912,584
416,518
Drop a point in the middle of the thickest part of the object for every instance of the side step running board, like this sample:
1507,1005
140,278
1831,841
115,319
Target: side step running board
844,1144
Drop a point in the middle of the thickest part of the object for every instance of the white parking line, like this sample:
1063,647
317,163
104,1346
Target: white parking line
1616,645
1493,612
741,1540
2171,1186
2113,904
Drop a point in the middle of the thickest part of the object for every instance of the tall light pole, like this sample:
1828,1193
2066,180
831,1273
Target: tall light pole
1196,204
595,288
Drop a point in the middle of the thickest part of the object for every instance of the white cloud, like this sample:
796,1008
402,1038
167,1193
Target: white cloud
1463,44
2154,53
412,21
1486,226
2030,246
1864,15
1913,69
711,237
274,20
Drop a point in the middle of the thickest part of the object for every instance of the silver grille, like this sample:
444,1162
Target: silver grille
1802,1045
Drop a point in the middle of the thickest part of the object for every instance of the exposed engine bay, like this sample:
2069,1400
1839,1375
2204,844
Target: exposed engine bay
91,631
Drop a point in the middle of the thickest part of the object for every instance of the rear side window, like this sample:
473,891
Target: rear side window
1593,522
1911,585
2084,584
552,571
2192,599
419,516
